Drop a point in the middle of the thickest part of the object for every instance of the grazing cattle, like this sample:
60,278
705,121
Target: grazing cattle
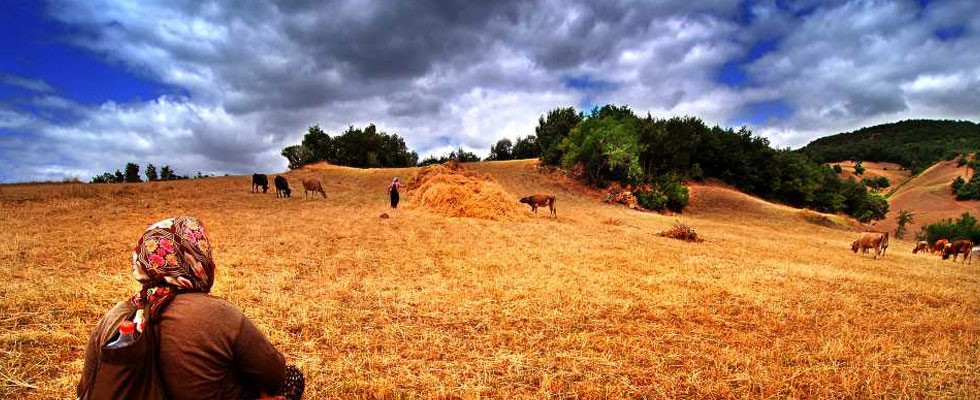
938,246
313,185
260,181
871,240
922,245
956,248
536,200
282,187
974,253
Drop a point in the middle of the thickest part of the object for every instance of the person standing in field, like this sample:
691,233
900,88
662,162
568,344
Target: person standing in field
181,342
393,192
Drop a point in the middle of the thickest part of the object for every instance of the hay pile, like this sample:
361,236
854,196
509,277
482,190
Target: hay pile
455,192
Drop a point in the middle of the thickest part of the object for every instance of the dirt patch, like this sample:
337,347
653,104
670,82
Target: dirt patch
453,191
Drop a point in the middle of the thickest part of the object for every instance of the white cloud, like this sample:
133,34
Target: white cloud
441,75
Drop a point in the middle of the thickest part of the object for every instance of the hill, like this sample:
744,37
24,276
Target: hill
915,144
896,174
592,304
930,197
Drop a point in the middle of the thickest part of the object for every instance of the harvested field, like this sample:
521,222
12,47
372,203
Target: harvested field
592,304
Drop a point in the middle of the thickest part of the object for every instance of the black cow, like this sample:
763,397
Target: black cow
282,187
260,181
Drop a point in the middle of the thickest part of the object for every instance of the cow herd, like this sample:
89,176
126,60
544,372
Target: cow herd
310,186
878,243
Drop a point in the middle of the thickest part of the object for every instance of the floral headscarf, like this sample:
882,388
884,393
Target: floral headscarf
173,256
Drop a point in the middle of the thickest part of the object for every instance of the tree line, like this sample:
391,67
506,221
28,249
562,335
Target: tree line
132,174
914,144
612,143
355,147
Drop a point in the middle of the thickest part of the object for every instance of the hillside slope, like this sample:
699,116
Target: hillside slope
592,304
916,144
930,197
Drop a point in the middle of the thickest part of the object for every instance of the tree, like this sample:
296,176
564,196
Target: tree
552,130
905,217
463,155
151,173
526,147
133,173
859,168
167,174
118,177
501,151
298,156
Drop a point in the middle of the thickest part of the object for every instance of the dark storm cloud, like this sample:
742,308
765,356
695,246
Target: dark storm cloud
254,75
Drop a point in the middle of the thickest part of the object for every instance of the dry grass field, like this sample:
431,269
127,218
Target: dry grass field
592,304
895,173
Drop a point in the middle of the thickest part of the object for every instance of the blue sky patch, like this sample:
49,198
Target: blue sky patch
763,112
950,32
36,48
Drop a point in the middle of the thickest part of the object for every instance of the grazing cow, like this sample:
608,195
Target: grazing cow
313,185
536,200
974,253
871,240
282,187
260,181
938,246
922,245
956,248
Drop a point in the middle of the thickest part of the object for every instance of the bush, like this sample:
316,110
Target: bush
964,227
681,231
859,168
838,169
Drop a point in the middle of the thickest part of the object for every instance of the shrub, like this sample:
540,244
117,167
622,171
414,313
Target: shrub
838,169
682,232
964,227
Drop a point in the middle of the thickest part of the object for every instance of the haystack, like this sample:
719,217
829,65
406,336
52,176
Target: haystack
462,193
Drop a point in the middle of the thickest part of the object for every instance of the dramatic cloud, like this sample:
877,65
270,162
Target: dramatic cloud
249,79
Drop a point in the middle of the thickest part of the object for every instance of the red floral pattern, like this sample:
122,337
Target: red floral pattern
173,255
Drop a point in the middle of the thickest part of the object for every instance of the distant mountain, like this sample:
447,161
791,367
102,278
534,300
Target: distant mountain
915,144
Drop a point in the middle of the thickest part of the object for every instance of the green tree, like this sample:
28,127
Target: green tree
905,217
166,173
133,173
298,156
151,173
552,129
502,150
859,168
606,144
118,177
526,147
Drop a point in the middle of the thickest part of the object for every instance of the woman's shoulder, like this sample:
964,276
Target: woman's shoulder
206,306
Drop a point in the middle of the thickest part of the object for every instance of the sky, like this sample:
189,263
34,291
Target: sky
221,87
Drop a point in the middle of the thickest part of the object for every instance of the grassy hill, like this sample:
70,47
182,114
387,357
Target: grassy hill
915,144
930,197
592,304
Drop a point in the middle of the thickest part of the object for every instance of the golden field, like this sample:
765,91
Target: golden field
591,305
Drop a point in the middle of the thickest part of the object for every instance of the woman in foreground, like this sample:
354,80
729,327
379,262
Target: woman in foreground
204,347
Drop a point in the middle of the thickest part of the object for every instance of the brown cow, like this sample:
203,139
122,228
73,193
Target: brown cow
938,246
313,185
871,240
922,245
956,248
536,200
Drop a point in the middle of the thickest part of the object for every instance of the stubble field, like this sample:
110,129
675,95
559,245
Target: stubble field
590,305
